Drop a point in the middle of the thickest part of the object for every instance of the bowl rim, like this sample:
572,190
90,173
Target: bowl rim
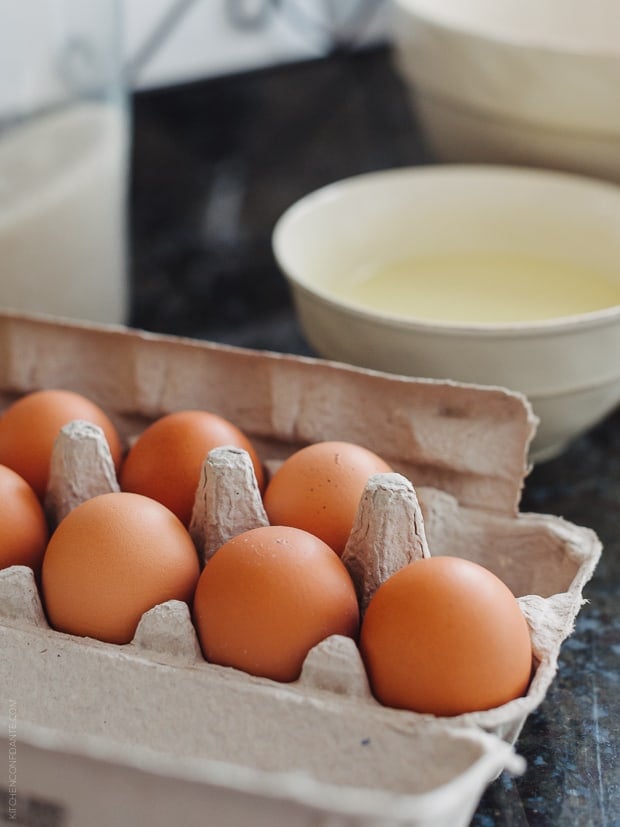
493,35
542,327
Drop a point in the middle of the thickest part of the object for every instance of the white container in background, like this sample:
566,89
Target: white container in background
514,81
63,160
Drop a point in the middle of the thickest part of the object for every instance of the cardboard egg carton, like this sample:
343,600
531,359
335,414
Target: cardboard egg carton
149,732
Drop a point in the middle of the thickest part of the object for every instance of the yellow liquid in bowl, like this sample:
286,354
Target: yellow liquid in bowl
480,288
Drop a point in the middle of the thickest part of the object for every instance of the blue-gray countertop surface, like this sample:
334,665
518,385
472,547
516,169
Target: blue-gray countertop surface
214,165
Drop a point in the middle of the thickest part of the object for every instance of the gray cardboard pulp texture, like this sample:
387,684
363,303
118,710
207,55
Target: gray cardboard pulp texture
149,733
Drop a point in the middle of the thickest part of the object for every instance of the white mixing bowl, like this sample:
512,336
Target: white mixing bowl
568,366
515,81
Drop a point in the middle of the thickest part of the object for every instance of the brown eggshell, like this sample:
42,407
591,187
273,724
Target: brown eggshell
166,460
268,596
319,487
29,427
23,527
111,559
445,636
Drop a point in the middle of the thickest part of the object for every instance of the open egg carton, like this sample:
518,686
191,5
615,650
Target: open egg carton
149,732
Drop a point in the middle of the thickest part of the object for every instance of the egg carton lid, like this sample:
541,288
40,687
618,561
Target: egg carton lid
468,440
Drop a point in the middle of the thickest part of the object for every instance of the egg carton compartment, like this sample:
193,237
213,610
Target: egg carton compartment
321,738
320,750
545,561
319,745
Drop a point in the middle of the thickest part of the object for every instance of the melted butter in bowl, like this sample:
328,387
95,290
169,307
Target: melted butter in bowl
479,288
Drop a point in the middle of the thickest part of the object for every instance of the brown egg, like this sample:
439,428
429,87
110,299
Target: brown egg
23,527
29,427
111,559
445,636
166,460
319,487
268,596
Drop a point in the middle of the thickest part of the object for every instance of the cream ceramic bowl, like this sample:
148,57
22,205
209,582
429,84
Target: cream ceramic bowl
569,367
515,81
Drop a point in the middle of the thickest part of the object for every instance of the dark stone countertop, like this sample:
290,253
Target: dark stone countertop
214,165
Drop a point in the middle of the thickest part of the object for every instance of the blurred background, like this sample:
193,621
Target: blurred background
201,121
172,41
241,108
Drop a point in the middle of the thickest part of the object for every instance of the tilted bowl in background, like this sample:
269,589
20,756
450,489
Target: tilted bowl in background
514,81
567,365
